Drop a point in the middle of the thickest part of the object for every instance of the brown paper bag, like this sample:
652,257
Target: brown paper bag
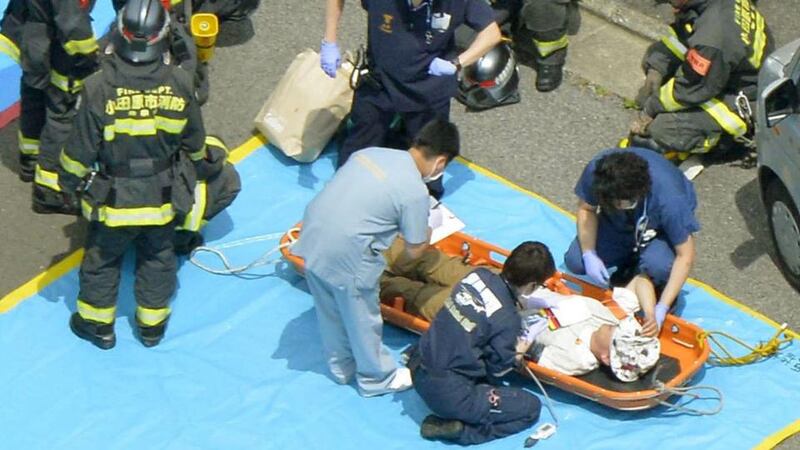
306,107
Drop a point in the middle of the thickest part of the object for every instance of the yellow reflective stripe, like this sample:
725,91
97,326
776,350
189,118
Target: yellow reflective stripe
47,179
194,219
126,217
8,47
198,155
27,146
151,316
72,166
216,142
675,45
727,119
95,314
63,82
667,97
143,127
547,47
175,2
759,42
81,46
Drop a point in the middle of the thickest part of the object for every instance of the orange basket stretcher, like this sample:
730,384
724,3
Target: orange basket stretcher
682,354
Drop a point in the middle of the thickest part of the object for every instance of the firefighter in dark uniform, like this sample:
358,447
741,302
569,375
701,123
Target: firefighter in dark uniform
545,24
696,76
32,100
475,339
140,125
59,51
412,63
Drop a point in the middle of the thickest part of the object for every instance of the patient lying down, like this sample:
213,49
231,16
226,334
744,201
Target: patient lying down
583,335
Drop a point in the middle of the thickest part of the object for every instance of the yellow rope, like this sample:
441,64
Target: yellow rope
723,357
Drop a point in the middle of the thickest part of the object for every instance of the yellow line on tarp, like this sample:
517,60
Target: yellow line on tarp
776,438
73,260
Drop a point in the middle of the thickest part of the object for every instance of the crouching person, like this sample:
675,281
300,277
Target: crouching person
216,187
137,126
471,343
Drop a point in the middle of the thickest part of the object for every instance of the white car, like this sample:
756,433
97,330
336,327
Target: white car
778,142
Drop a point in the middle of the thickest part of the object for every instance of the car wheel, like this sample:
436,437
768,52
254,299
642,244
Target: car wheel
784,226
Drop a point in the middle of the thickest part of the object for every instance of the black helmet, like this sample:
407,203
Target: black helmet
142,29
491,81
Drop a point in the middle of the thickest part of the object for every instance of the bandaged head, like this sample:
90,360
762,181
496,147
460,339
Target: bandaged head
631,354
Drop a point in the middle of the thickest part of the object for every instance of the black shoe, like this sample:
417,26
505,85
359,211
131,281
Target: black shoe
27,167
48,201
636,140
187,241
151,336
549,77
434,427
100,334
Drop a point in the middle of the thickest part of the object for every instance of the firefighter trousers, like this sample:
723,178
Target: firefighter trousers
61,109
685,131
32,112
156,269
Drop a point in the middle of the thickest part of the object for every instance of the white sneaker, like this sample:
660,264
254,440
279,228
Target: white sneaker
401,381
692,167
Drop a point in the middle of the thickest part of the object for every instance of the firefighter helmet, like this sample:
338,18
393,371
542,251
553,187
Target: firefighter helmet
142,31
491,81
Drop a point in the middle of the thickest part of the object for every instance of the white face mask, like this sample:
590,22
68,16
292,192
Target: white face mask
431,178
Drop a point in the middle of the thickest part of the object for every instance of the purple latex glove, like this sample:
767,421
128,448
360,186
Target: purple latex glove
441,67
661,313
595,268
330,58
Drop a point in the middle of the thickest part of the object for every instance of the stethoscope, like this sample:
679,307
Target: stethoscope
642,234
428,18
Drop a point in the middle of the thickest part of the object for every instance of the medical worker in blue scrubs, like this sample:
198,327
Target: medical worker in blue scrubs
413,63
636,213
379,193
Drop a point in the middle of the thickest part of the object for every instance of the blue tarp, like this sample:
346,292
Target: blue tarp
102,15
241,365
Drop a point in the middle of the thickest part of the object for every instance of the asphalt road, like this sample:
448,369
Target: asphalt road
541,144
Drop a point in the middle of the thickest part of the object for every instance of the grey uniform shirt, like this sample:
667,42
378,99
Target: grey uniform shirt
347,226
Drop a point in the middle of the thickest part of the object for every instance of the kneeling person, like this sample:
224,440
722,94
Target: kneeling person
474,340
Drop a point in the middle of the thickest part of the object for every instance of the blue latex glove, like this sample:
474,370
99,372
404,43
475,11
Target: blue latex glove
595,268
661,313
330,58
441,67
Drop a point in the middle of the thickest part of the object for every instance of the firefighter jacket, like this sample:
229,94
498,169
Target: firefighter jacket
136,134
714,51
11,28
58,44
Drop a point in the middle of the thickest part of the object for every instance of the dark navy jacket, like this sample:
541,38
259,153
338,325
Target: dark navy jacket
475,333
401,54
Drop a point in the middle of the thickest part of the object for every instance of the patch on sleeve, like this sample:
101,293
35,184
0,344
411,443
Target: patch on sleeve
698,62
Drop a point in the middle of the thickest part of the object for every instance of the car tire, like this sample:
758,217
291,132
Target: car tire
784,228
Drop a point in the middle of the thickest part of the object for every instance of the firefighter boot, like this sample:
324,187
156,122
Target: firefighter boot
434,427
48,201
27,167
151,336
100,334
550,71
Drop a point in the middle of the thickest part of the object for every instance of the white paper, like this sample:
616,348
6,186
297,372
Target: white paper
442,221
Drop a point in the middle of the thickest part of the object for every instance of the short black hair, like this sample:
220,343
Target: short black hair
621,175
529,262
438,137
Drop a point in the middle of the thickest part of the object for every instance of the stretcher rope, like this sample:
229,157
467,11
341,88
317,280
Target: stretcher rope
242,271
723,357
692,392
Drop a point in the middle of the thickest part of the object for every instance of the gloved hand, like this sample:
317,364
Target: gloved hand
652,83
441,67
640,124
595,267
661,313
330,58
